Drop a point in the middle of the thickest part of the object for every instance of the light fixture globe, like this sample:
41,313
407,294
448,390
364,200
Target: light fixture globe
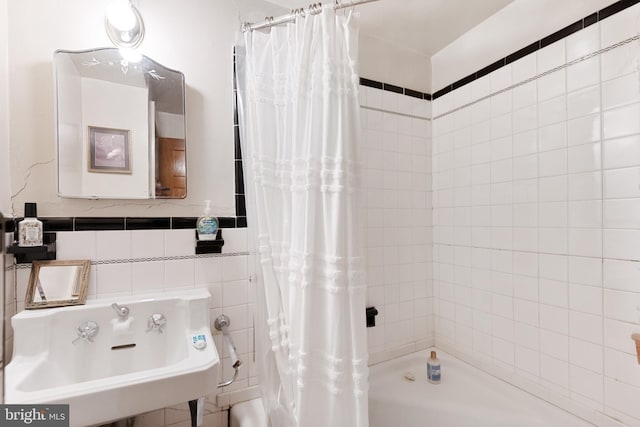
129,36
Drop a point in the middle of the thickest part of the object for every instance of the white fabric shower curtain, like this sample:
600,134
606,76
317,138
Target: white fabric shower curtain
300,133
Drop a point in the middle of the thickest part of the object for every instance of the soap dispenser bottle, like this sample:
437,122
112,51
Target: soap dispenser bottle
207,225
30,228
433,369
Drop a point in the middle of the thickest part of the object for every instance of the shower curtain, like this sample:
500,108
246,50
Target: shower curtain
300,133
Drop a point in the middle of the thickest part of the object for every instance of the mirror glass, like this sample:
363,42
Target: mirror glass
57,283
120,126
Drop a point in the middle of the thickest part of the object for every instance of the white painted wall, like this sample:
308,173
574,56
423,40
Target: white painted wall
510,29
388,63
5,187
196,40
378,60
117,106
170,125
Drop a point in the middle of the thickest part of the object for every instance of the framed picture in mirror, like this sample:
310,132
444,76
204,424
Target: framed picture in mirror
147,99
109,150
57,283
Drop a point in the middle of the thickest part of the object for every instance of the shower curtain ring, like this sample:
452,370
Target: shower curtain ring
315,8
299,12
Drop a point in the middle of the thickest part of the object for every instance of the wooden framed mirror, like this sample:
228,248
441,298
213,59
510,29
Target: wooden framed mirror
57,283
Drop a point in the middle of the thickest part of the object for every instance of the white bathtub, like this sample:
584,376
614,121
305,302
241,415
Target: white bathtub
465,397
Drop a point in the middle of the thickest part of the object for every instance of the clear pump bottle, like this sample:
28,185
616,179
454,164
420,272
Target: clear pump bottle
207,225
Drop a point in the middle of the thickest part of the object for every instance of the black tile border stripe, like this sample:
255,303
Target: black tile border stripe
491,68
413,93
157,223
614,8
239,197
545,41
227,222
523,52
57,224
393,88
561,34
590,20
443,91
371,83
183,222
98,223
54,224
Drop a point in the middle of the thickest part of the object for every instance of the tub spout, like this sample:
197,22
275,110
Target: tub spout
121,310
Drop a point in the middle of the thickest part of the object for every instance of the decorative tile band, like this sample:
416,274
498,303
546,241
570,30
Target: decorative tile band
135,260
546,41
396,113
166,258
553,70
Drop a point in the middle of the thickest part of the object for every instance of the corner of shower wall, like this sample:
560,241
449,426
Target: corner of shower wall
396,134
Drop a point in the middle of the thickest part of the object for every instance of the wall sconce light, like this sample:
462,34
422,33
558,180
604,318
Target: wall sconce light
124,25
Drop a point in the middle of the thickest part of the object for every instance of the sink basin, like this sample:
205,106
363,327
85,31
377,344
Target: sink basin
125,369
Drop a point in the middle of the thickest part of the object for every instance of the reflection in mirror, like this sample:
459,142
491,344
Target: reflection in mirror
57,283
120,127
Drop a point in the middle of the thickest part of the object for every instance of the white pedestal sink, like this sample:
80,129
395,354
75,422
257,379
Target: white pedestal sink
126,369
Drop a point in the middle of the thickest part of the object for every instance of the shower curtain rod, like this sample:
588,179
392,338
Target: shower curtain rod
313,9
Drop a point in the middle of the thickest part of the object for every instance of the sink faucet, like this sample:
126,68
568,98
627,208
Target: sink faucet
121,310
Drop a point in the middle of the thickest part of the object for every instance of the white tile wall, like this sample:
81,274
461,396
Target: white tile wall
398,219
551,224
226,277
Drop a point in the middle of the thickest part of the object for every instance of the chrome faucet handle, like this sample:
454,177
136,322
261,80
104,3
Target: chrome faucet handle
222,323
121,310
86,332
156,322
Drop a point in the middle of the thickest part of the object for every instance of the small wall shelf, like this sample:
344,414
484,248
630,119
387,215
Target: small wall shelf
35,253
210,246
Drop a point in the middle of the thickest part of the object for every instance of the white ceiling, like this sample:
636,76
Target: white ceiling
424,26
